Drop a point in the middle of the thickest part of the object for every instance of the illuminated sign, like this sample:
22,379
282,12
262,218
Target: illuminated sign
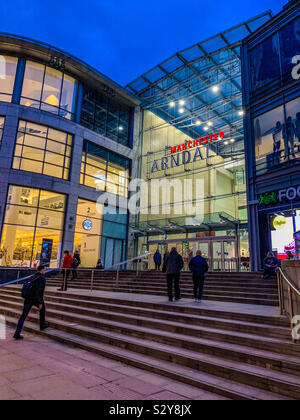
279,222
197,143
183,154
287,194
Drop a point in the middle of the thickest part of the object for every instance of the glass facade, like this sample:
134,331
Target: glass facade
8,67
34,220
42,150
224,183
104,170
2,121
106,116
277,137
49,89
271,61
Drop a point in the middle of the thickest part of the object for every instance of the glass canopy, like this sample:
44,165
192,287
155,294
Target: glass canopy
199,89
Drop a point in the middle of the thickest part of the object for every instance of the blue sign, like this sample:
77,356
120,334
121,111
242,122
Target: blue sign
87,225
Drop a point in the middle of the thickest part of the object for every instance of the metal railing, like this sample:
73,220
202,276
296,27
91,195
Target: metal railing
289,298
67,271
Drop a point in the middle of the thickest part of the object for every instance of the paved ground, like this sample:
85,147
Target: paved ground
205,304
39,369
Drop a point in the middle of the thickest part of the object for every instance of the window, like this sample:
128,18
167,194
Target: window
33,228
277,137
106,116
2,120
42,150
49,89
8,68
104,170
88,232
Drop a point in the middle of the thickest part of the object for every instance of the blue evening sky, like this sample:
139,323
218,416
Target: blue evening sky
125,38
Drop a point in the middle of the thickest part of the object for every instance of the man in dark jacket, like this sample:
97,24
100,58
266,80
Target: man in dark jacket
36,298
198,266
157,260
271,263
174,264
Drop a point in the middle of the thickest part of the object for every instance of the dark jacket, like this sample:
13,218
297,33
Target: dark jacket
198,265
76,261
37,295
174,263
271,261
157,258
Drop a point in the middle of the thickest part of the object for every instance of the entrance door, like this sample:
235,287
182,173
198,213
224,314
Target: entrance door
220,252
113,252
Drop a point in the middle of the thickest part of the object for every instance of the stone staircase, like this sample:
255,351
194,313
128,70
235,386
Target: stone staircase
232,350
226,287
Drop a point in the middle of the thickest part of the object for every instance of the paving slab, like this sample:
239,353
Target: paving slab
41,369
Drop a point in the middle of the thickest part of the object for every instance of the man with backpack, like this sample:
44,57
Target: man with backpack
33,294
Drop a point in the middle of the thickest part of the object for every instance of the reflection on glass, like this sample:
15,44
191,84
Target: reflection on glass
2,120
103,173
48,89
277,139
265,63
35,152
106,116
32,217
8,67
289,44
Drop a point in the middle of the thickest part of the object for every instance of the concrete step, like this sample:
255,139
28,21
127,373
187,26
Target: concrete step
225,297
271,381
135,315
256,349
223,387
143,302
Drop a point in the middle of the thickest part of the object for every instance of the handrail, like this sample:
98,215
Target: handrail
289,282
22,279
129,261
288,309
116,266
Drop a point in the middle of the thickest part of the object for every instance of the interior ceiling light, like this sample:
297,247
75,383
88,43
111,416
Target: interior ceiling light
172,104
215,88
241,113
181,102
210,124
198,122
232,140
226,143
206,128
181,110
121,128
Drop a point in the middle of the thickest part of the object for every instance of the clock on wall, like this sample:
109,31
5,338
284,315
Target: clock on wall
87,225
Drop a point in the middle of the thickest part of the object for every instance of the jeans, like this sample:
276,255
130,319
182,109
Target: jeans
269,272
289,145
157,266
66,274
27,308
173,279
198,286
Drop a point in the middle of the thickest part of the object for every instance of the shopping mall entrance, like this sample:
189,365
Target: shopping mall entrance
221,252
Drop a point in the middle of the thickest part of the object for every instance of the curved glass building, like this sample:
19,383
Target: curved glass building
67,132
193,131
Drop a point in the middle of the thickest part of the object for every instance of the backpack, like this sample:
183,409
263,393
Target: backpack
29,287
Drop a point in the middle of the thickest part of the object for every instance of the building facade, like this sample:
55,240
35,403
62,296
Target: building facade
271,80
193,135
68,134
